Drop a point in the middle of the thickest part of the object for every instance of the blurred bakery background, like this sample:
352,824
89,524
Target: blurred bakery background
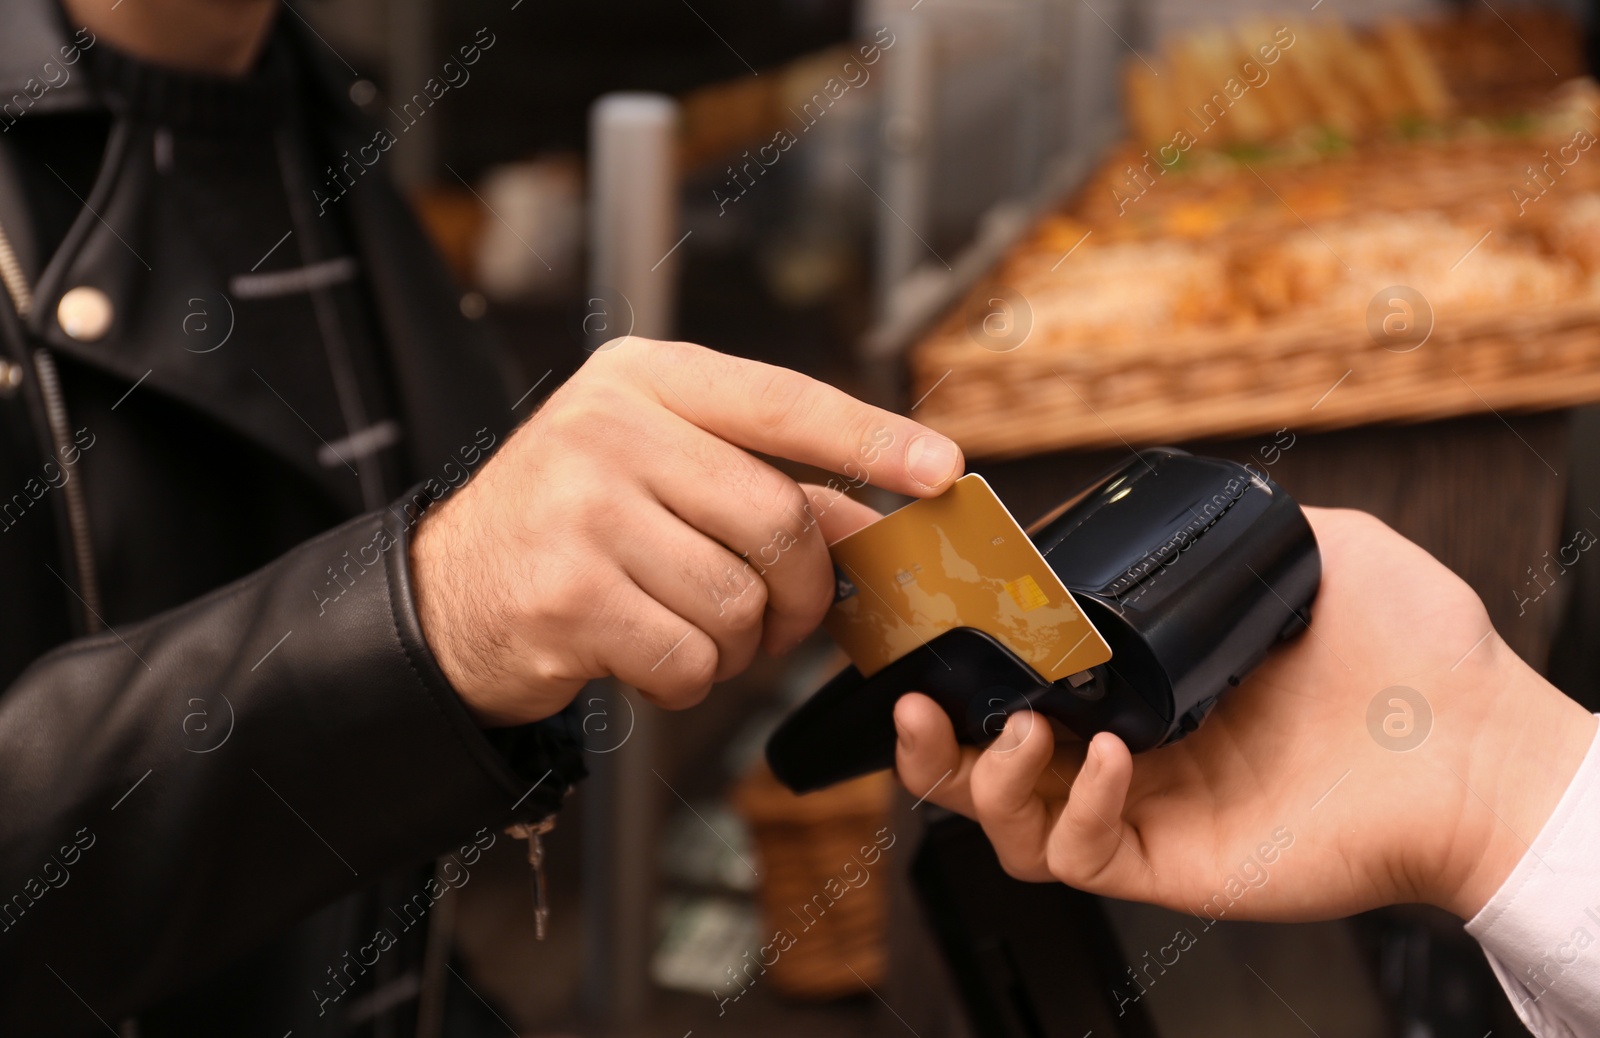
1354,242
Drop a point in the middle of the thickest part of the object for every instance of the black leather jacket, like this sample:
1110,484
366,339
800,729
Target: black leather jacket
205,767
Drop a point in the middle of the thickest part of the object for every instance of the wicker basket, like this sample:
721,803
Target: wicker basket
1219,291
1302,377
1240,300
820,883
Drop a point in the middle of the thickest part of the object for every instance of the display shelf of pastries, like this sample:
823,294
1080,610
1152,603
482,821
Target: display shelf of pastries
1406,226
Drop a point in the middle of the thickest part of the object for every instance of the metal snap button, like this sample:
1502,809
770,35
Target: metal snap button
84,313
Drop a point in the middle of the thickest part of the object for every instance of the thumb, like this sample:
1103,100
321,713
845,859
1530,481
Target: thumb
838,515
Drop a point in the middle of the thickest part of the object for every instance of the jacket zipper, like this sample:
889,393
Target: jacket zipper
534,833
11,273
55,408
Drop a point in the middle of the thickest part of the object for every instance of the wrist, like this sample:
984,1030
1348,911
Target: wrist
443,615
1527,747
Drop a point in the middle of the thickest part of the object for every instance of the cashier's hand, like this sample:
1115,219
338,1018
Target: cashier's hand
1398,751
625,529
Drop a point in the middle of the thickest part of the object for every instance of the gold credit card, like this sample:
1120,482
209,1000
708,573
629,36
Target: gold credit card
956,560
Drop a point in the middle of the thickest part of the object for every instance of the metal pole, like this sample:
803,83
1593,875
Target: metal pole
621,804
633,205
905,150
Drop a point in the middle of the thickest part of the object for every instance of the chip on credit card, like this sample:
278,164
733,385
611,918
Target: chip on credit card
956,560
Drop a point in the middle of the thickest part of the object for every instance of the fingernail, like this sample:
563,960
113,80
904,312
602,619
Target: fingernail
931,459
1091,760
903,737
1013,734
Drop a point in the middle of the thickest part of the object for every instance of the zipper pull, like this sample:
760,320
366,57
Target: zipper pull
534,832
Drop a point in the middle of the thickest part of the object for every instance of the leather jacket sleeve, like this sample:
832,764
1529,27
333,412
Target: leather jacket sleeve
177,791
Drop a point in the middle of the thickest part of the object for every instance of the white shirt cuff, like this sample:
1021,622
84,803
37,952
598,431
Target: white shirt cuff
1541,929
